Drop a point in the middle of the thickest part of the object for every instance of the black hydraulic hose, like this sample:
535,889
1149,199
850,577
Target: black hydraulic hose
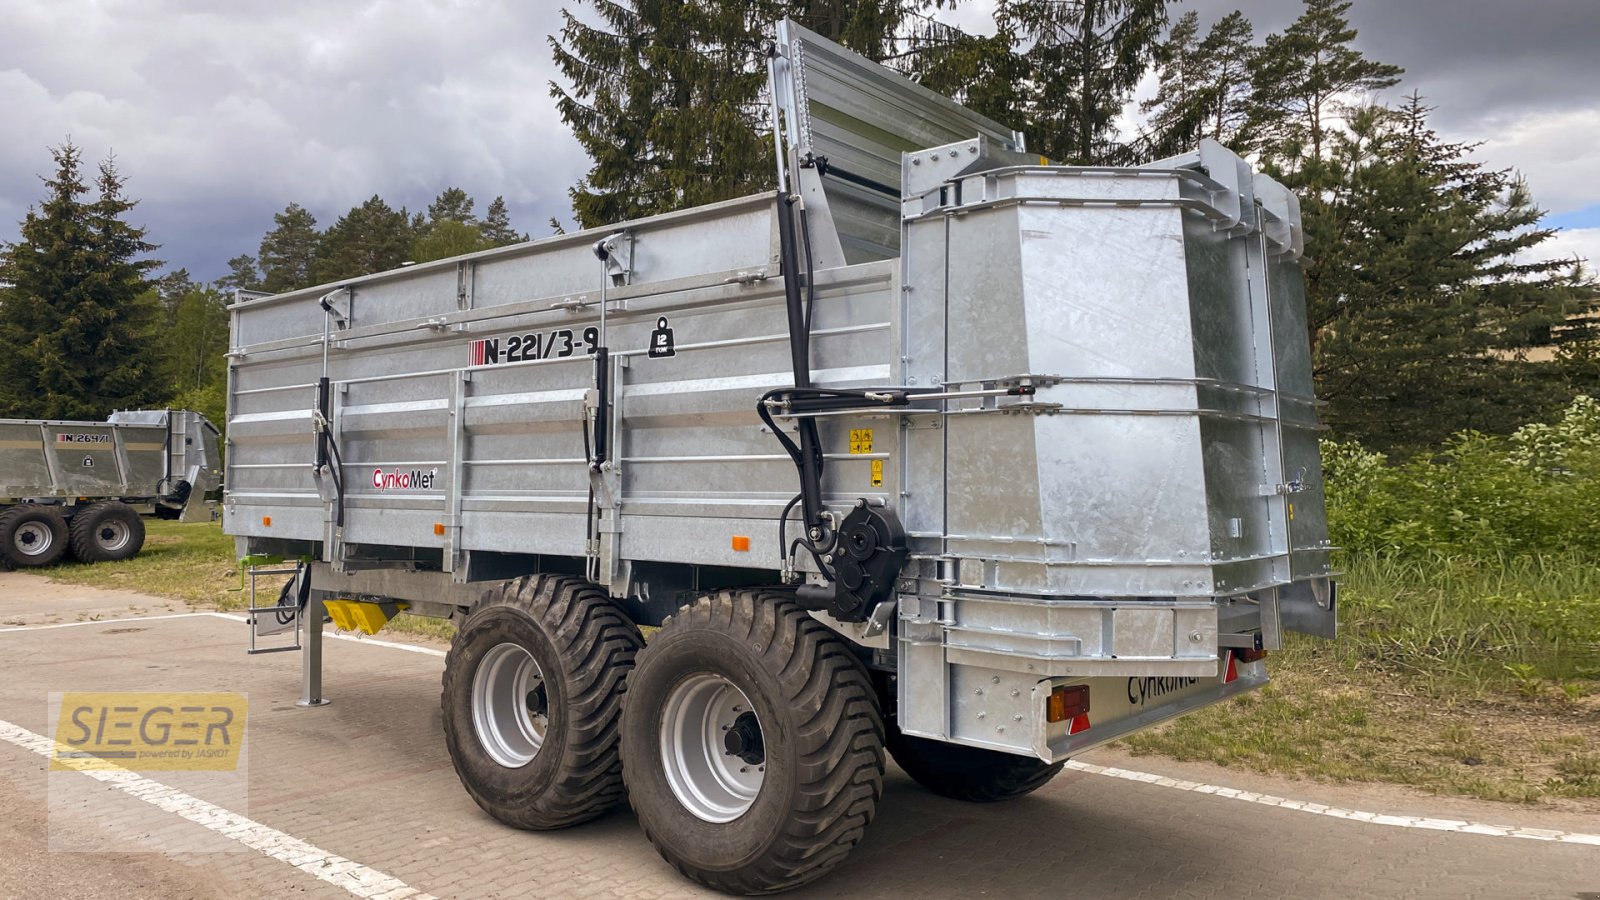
602,416
809,457
588,509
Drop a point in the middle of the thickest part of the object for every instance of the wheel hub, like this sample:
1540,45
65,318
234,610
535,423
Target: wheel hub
510,705
712,749
743,739
33,539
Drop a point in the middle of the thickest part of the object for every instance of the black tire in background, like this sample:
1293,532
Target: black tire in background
812,727
583,648
32,535
972,774
106,532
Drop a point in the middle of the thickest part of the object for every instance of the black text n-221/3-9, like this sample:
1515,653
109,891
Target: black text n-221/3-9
534,345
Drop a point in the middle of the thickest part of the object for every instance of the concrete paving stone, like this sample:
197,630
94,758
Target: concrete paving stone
368,778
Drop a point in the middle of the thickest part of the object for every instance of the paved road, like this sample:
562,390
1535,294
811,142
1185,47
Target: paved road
367,778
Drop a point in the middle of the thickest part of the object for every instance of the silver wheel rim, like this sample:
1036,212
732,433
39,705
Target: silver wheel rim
33,539
510,709
112,535
714,776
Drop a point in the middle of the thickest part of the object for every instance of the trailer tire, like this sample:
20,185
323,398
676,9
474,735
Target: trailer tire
783,791
107,532
548,647
32,535
965,773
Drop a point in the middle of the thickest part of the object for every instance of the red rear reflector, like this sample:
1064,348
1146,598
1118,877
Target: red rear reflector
1233,671
1067,703
1079,723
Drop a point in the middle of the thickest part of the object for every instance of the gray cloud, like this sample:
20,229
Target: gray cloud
222,113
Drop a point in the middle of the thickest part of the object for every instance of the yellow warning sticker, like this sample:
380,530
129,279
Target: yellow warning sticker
877,473
861,440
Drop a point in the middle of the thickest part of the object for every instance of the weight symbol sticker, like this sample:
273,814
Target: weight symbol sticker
661,340
88,462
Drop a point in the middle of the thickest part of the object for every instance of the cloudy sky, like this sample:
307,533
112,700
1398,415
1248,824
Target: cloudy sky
221,113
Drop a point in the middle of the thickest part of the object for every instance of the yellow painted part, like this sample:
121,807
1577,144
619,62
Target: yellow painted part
353,615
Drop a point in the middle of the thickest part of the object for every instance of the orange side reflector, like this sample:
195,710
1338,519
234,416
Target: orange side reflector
438,528
266,521
1067,702
741,543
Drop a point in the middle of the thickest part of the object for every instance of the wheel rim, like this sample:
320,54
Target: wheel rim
113,535
712,748
33,539
510,708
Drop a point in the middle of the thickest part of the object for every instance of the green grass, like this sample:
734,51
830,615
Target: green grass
195,563
1453,675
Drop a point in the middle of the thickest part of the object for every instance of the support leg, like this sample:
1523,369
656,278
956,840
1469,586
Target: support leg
311,655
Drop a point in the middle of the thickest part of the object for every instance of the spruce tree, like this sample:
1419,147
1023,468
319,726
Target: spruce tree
1422,293
981,72
666,96
1083,60
77,314
289,250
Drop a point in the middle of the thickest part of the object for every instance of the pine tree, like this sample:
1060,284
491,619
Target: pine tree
370,238
1083,61
289,250
497,225
453,204
1420,292
1204,88
1301,77
77,315
242,275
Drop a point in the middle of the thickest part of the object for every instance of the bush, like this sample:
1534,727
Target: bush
1536,491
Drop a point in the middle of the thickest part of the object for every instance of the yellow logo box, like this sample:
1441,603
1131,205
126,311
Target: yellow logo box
149,731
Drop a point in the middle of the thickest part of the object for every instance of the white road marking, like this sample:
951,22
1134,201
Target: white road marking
340,636
357,879
186,615
232,617
1305,806
1355,815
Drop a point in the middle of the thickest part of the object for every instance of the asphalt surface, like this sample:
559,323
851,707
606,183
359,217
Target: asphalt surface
367,779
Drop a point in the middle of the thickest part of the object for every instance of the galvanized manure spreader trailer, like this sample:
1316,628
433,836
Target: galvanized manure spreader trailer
939,449
79,488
